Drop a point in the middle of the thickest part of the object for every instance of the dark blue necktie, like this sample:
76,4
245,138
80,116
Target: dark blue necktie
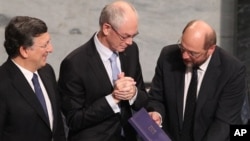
39,93
187,129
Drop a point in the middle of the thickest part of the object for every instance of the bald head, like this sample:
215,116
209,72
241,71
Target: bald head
198,42
118,13
200,30
123,4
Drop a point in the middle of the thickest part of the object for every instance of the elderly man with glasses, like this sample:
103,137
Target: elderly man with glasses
101,82
198,89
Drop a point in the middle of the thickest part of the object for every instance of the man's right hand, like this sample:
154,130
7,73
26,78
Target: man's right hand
156,117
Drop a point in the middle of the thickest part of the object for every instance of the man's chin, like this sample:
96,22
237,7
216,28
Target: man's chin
121,49
189,64
43,64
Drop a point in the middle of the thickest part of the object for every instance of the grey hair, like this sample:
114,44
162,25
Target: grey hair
114,14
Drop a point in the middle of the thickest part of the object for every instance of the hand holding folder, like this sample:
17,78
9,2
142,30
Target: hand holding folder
146,128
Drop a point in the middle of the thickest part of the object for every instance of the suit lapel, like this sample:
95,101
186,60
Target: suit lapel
179,83
97,65
123,60
209,82
25,90
51,93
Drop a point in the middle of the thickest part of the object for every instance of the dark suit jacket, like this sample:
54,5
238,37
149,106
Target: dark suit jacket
219,101
21,115
84,83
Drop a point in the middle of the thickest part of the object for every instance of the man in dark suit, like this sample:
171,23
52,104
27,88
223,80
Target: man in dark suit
219,93
96,102
27,113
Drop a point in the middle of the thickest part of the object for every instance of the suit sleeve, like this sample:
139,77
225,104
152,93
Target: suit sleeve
79,103
229,107
142,96
156,92
3,114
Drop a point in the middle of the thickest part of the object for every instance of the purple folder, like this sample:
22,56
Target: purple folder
146,128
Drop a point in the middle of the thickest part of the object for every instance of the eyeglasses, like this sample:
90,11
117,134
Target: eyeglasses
190,53
45,45
123,38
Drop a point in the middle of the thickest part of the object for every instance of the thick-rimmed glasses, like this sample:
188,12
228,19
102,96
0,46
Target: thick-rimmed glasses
123,38
190,53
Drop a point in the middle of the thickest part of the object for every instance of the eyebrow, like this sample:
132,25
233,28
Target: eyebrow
128,35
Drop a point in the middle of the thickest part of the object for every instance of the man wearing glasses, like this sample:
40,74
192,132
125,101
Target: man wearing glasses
198,89
101,82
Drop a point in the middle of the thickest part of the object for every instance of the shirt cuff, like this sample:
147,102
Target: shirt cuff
112,103
131,101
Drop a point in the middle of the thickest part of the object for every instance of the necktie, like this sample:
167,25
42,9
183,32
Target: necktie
126,130
187,129
115,70
39,93
126,113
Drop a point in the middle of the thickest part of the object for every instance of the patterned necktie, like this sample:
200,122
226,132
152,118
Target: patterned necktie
187,129
115,70
39,93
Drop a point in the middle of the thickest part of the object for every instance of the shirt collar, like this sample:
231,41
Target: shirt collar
27,74
104,51
204,66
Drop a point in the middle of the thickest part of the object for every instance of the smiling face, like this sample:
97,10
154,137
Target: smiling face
36,55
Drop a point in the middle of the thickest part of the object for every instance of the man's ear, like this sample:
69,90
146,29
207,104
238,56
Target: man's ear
23,52
211,49
106,28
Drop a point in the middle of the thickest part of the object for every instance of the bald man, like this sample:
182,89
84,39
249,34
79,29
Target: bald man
99,93
219,93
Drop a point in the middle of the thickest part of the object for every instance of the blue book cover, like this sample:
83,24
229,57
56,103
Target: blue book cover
146,127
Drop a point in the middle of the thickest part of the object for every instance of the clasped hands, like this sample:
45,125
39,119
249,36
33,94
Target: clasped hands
124,88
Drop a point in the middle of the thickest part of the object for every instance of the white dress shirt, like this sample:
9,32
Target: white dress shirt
29,75
200,72
105,53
